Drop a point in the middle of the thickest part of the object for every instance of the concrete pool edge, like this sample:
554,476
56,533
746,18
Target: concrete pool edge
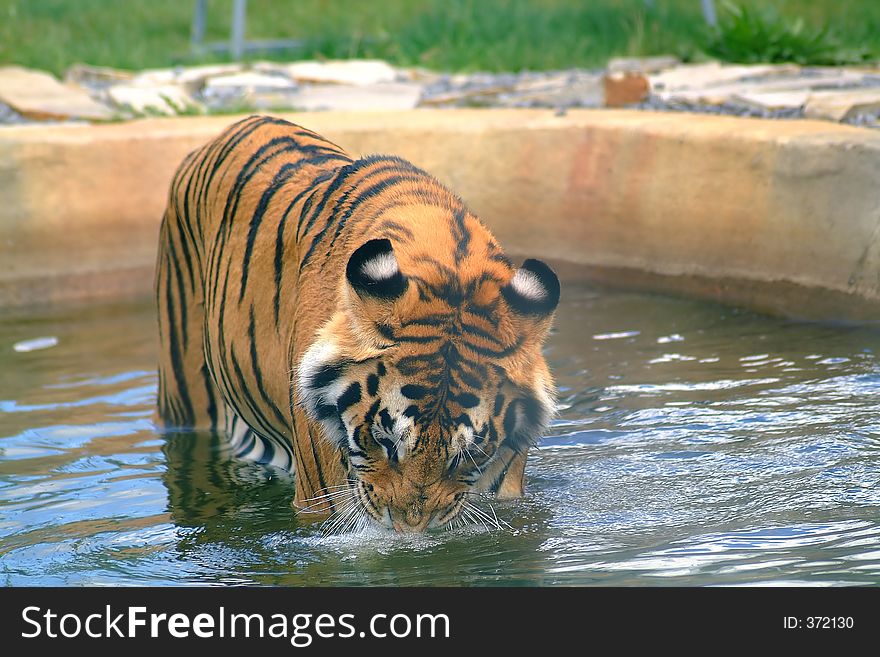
778,216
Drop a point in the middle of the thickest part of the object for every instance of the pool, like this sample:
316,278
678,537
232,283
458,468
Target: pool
696,445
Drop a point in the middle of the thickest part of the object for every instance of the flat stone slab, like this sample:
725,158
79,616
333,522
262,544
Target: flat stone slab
772,100
713,74
167,99
190,76
258,90
642,64
38,95
842,105
355,72
248,80
376,97
96,76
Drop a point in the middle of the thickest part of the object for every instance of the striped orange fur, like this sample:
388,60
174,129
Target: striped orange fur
352,321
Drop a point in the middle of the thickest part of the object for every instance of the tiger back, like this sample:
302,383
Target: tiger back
349,320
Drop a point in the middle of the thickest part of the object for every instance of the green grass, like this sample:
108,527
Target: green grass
454,35
761,34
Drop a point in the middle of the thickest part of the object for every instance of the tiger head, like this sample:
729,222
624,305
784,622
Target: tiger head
429,376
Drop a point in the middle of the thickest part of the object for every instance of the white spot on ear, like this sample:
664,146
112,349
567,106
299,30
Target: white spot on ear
527,285
380,268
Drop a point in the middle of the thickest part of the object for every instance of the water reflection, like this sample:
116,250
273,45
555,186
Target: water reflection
696,445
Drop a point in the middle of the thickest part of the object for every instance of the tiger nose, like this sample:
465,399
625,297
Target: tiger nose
411,521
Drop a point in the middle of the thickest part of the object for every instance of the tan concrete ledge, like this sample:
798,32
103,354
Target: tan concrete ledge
782,216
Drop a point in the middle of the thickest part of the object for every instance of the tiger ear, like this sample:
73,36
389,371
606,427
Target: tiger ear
533,290
373,271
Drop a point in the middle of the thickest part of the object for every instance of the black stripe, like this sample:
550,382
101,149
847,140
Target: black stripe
264,154
370,415
176,364
499,403
418,339
461,235
388,164
469,380
258,375
476,330
435,320
413,391
467,400
493,353
326,375
209,391
268,451
172,258
351,396
369,193
279,238
282,176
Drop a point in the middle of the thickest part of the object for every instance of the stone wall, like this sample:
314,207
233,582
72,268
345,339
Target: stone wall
775,215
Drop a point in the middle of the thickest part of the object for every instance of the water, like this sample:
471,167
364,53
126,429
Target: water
697,445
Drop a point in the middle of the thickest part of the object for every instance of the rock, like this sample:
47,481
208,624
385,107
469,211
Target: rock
625,88
38,95
771,89
713,74
167,99
771,101
196,75
843,105
249,81
258,90
154,77
642,64
380,96
466,97
555,90
191,77
418,74
9,115
96,77
357,72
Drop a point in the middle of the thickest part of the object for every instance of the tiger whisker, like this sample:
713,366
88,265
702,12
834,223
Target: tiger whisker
474,518
489,519
344,516
479,469
323,496
328,525
493,519
498,520
332,499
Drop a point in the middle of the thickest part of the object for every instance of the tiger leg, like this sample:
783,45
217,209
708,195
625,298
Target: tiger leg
248,444
188,396
514,480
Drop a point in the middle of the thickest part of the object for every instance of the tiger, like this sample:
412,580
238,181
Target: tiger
350,321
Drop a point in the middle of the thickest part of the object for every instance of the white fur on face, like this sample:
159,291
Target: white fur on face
381,267
317,356
528,285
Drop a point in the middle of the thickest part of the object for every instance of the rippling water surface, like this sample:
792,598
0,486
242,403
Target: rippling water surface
696,445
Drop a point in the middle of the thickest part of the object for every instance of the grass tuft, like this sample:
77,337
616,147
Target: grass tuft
751,34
